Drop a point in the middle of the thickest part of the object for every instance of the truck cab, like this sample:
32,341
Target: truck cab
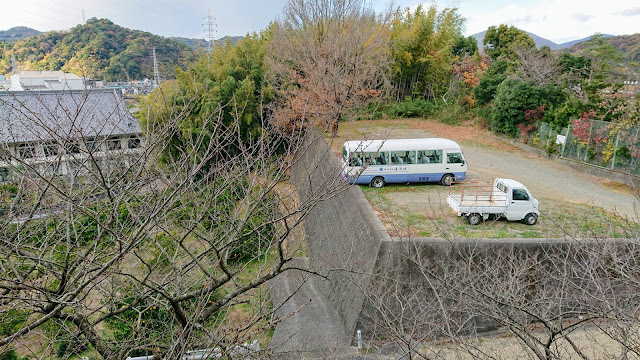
520,202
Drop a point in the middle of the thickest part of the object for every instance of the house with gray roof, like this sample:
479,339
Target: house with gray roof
35,80
60,131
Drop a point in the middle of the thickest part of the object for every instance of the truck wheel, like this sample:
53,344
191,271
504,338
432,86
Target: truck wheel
377,182
447,179
531,219
474,219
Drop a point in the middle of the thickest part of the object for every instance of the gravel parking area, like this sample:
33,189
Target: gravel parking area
572,203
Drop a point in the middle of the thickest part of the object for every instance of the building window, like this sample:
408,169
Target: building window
71,147
133,142
93,145
113,143
26,151
5,155
4,175
50,149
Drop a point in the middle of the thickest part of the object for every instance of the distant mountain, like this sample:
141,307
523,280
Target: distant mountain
99,49
540,41
628,45
195,44
18,32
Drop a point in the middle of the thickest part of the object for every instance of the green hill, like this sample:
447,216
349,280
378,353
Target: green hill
99,49
18,32
202,44
628,45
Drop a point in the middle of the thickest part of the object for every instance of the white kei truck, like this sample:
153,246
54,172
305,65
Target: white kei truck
504,197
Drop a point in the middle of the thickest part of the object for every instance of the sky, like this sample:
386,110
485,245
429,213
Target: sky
556,20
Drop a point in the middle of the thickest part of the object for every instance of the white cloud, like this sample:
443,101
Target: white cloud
557,20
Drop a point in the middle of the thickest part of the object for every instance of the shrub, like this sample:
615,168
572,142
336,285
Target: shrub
9,355
411,108
513,98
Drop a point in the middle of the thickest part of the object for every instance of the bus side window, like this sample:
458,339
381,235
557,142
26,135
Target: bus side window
423,158
411,157
430,156
356,159
370,158
382,158
399,157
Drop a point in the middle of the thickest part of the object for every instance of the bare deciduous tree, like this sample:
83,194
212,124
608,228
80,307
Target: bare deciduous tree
111,247
325,57
538,66
556,300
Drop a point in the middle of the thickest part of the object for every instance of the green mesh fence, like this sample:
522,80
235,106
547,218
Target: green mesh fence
614,146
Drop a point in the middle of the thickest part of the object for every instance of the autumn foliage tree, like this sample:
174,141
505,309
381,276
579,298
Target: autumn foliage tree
325,57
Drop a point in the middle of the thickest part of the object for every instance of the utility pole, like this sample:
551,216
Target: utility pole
13,64
210,30
156,73
84,17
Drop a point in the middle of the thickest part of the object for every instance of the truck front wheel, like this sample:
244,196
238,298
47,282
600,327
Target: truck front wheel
474,219
531,219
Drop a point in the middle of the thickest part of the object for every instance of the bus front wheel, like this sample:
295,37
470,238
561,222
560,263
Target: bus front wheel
447,179
377,182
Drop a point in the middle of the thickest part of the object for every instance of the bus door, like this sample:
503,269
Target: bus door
428,166
456,164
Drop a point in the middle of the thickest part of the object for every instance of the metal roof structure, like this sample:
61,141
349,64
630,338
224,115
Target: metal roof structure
55,115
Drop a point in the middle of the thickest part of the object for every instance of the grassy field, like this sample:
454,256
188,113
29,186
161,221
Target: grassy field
421,210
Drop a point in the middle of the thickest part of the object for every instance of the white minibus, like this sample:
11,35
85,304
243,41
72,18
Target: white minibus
377,162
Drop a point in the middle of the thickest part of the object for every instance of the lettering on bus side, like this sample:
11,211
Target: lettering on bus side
386,169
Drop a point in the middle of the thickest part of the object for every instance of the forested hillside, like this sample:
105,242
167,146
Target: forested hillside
627,45
18,32
99,49
196,44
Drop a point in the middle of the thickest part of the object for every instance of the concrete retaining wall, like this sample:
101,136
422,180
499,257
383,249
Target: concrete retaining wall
343,233
400,286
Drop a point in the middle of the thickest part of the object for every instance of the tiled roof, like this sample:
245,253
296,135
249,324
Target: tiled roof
48,115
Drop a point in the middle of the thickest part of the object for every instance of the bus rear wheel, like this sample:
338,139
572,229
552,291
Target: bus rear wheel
377,182
447,179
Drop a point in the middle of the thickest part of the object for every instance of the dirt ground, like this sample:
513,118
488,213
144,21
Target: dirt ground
568,198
